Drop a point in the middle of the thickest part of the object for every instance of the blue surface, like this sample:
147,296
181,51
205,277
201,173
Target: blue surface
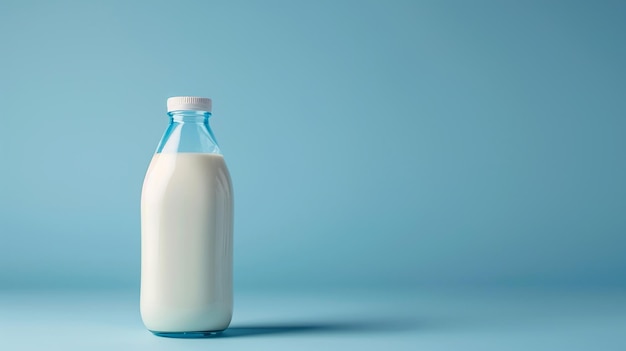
331,320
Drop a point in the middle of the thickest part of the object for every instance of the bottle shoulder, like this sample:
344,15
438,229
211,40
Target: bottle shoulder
179,171
189,161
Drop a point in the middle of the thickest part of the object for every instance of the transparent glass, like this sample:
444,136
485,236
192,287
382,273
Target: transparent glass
189,131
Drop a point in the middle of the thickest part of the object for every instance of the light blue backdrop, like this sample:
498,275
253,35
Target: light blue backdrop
370,142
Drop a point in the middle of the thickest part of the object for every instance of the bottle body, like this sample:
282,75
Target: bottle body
186,237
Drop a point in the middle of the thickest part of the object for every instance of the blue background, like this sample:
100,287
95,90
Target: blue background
371,143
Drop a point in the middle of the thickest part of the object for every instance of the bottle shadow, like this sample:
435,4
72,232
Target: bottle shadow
249,330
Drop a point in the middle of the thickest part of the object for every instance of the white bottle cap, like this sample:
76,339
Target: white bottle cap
192,103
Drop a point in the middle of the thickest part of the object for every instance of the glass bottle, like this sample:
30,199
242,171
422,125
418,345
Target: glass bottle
187,228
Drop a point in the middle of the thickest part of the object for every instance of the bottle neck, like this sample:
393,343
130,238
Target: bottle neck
188,131
189,116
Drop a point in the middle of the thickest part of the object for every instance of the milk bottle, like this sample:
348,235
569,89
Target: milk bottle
187,228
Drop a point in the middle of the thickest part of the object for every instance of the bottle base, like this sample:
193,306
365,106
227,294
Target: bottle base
188,335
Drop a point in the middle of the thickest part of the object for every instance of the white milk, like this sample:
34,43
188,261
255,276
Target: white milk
186,243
